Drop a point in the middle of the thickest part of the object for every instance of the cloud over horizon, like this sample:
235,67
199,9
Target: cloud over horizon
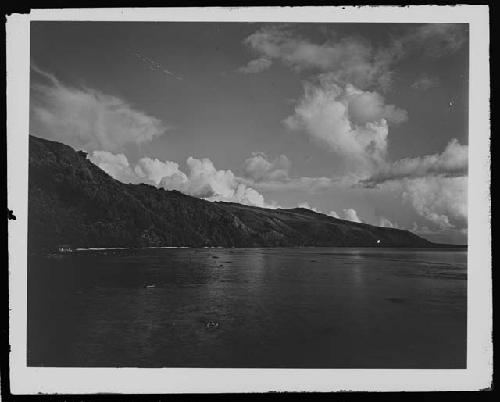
258,168
440,200
452,162
273,175
202,181
350,214
435,186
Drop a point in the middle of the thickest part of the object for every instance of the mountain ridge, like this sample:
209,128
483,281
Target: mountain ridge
72,201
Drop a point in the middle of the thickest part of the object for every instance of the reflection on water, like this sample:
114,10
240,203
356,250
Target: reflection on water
310,307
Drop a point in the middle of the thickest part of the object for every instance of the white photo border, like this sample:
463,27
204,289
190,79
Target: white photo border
477,375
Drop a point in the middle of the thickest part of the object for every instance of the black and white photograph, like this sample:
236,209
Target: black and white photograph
224,193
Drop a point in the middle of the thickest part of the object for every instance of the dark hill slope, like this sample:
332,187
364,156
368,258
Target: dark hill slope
72,201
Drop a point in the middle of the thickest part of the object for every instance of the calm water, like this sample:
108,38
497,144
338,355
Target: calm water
311,307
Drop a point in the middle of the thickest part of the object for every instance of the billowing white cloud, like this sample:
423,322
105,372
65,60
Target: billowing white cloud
352,122
348,214
203,180
88,119
441,235
117,166
333,214
435,186
440,200
365,107
258,168
154,170
452,162
215,185
306,205
351,215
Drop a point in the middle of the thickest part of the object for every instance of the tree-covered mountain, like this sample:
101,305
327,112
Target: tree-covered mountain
72,201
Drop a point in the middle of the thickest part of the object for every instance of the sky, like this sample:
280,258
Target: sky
366,122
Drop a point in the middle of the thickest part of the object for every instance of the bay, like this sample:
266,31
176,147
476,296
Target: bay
235,308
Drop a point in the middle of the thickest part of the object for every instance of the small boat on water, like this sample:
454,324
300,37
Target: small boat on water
64,248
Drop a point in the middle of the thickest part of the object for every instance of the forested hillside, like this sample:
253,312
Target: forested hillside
72,201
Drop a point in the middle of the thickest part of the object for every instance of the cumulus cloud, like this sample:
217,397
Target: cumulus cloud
351,215
259,168
117,166
203,180
457,236
333,214
352,122
452,162
435,186
265,174
440,200
348,214
152,171
365,107
88,119
306,205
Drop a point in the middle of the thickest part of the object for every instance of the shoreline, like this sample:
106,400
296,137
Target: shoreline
103,249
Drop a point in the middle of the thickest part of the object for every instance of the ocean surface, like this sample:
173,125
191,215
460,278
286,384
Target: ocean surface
281,307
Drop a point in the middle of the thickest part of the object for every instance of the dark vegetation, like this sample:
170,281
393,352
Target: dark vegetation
72,201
